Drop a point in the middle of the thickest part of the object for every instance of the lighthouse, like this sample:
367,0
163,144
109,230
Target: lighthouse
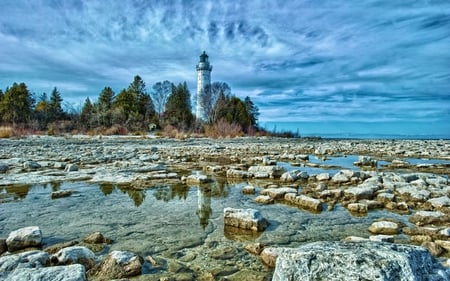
203,82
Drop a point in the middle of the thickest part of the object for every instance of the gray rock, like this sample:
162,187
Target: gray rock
264,199
71,168
358,208
195,179
250,219
249,189
31,259
366,161
384,227
382,238
75,272
340,178
428,217
266,171
234,173
31,165
73,255
323,177
118,264
290,176
3,168
362,191
278,193
304,202
358,261
22,238
440,202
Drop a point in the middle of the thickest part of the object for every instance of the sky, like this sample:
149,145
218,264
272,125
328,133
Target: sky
374,61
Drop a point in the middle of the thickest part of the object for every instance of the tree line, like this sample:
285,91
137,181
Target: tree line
134,109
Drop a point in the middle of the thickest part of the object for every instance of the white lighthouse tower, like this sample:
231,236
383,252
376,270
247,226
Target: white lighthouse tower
203,82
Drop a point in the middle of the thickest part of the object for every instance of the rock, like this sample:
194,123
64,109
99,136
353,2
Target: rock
427,217
323,177
358,208
269,255
61,194
444,244
382,238
53,249
278,193
445,232
71,168
266,161
365,161
3,168
3,246
74,255
59,165
22,238
420,238
255,248
250,219
440,202
414,193
340,177
31,259
31,165
385,197
290,176
354,239
357,261
362,191
96,238
118,264
75,272
305,202
196,179
433,248
233,173
266,171
249,189
264,199
384,227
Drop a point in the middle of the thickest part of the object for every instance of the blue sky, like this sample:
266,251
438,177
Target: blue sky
305,60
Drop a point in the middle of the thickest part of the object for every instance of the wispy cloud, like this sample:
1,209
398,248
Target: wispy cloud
298,60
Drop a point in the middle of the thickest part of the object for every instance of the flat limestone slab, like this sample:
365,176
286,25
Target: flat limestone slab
250,219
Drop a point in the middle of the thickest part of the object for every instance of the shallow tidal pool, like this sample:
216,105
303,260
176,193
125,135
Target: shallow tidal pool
173,221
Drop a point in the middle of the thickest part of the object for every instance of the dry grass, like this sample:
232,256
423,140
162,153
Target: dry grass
223,129
7,132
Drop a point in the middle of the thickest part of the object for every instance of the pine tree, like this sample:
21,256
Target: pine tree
178,108
55,108
104,106
16,104
86,114
42,111
253,110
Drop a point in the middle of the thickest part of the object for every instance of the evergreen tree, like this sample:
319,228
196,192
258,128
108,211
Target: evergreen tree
42,111
178,108
16,104
126,102
55,109
252,109
86,114
104,107
144,104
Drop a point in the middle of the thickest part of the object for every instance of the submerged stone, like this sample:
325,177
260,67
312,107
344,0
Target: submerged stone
250,219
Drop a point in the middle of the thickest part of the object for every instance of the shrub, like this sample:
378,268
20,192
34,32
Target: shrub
223,129
6,132
117,130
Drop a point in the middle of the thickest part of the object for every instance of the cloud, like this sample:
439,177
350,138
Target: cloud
298,60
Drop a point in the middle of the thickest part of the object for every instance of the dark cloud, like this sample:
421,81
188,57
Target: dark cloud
298,60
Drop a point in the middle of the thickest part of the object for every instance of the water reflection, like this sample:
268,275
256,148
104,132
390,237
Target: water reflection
137,195
166,193
17,192
204,209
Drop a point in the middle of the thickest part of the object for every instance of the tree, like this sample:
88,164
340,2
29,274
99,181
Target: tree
253,110
126,102
211,95
160,94
104,106
144,104
55,109
178,108
86,114
42,111
16,104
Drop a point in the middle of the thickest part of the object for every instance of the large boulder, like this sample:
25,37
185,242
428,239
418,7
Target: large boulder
22,238
358,261
73,255
75,272
249,219
31,259
118,264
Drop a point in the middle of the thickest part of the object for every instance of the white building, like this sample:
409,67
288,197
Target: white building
203,81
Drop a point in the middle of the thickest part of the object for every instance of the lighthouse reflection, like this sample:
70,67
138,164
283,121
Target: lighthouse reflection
204,205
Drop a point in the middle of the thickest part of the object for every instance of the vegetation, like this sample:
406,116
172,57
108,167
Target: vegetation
167,107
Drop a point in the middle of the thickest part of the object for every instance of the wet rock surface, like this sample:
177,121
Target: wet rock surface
164,199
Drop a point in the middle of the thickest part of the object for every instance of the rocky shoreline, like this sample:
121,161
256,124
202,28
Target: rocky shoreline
387,175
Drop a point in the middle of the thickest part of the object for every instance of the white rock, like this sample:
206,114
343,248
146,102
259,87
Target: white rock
384,227
440,202
250,219
75,272
22,238
278,193
73,255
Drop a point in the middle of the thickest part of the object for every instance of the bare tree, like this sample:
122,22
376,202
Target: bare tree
211,95
160,94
